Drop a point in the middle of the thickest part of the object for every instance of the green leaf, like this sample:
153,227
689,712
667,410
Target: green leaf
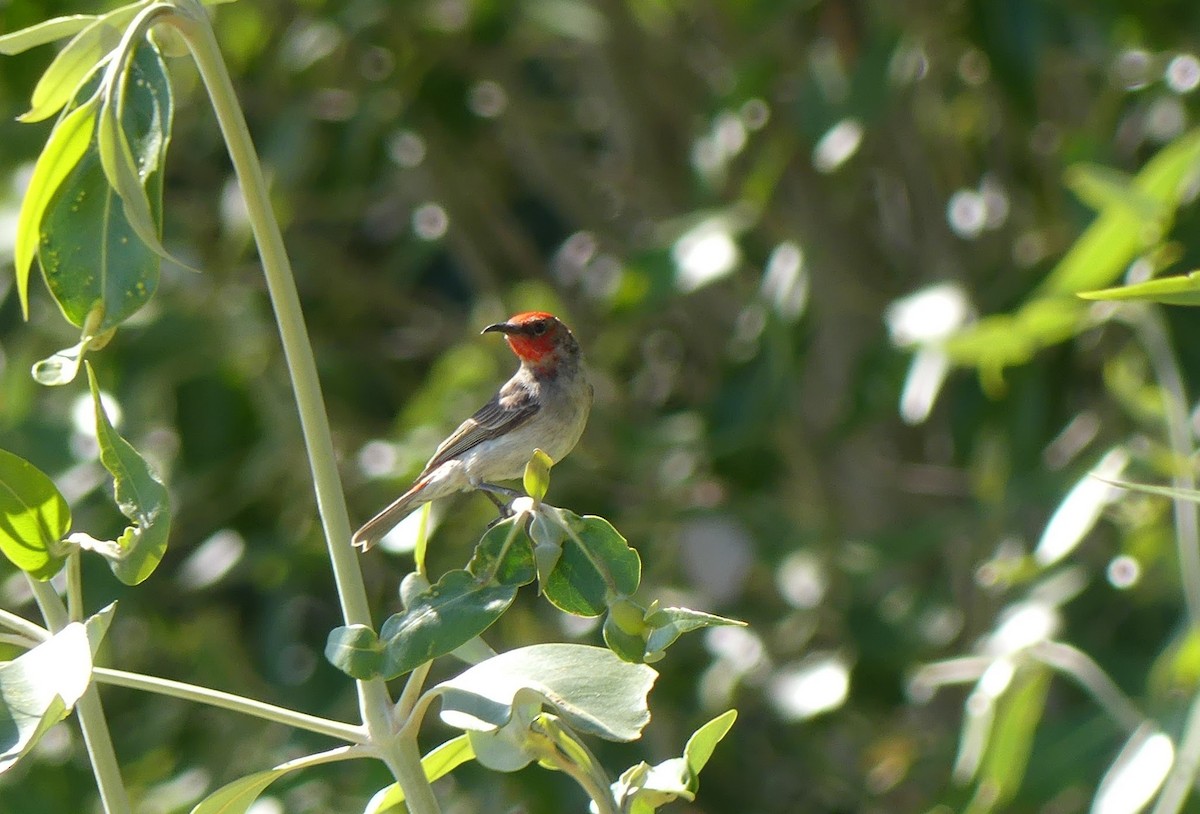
1017,715
140,496
628,645
645,788
592,689
71,68
67,144
356,651
1107,246
1103,187
452,612
62,366
45,32
35,517
1191,495
38,689
595,565
509,747
97,625
1006,340
91,254
537,475
1179,290
238,796
703,742
503,556
437,764
441,618
668,624
127,173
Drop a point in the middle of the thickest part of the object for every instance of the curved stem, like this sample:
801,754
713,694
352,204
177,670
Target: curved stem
374,701
412,691
89,712
1081,667
557,742
23,626
233,703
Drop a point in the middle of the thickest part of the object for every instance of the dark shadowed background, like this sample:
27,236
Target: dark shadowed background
724,200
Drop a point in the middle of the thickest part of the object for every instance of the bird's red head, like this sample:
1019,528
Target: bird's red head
536,337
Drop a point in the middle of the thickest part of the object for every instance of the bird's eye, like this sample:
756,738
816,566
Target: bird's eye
538,328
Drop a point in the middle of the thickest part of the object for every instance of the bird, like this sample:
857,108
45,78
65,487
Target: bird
544,406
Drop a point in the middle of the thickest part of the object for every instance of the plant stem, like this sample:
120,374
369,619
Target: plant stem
1152,331
412,691
74,588
1081,667
23,626
374,701
233,703
558,753
90,713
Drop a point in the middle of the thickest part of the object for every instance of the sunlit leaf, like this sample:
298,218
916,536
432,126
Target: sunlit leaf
38,689
537,475
1100,255
70,69
668,624
1103,187
45,32
33,517
1183,289
592,689
437,764
237,797
67,144
140,496
643,788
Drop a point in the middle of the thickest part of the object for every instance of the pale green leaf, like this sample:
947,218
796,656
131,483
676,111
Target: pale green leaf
537,475
45,32
590,687
38,689
70,68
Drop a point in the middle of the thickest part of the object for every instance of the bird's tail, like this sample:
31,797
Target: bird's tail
373,530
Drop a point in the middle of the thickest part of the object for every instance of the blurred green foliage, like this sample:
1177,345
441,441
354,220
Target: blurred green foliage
722,200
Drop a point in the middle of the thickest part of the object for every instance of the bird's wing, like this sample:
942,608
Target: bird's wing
510,408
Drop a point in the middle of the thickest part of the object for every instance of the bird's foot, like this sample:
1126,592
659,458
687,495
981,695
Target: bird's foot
505,509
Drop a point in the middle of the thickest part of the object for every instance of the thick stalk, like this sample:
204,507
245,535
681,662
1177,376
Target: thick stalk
374,701
233,703
90,714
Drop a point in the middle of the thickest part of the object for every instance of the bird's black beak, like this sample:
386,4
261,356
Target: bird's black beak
502,327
